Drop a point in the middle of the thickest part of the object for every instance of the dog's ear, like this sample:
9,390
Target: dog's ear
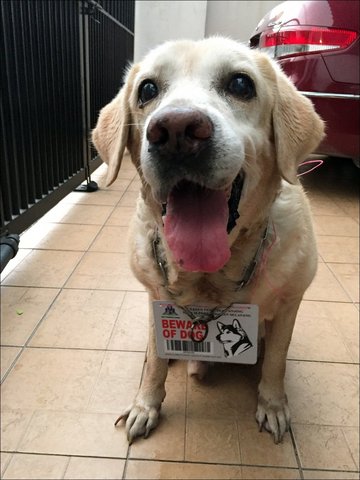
236,324
297,128
220,327
111,133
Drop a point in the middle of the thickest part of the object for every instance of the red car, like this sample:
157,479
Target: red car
317,45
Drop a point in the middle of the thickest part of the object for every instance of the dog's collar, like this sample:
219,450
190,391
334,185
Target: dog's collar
234,200
248,272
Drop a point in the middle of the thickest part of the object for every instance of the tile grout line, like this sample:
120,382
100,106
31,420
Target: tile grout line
80,349
127,459
347,302
338,282
46,347
113,329
297,456
26,344
188,462
2,278
6,374
66,466
239,443
71,223
321,361
105,351
349,447
104,223
84,288
4,466
22,436
345,342
186,415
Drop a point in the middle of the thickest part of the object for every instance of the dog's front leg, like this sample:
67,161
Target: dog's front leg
272,410
143,414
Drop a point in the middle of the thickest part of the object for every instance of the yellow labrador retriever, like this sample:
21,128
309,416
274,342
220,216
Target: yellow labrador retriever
216,132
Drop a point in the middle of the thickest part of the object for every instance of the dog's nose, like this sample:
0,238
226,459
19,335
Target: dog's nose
179,130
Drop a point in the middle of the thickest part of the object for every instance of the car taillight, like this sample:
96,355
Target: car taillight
291,41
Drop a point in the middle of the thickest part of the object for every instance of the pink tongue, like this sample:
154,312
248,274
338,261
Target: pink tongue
195,228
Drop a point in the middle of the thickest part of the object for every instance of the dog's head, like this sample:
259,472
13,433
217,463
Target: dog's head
230,333
196,118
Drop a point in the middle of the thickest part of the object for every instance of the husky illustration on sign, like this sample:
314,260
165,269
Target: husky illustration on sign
233,338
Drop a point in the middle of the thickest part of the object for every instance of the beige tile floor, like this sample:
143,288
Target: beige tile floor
74,333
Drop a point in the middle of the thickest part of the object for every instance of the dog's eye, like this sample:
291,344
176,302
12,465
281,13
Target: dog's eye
241,86
147,91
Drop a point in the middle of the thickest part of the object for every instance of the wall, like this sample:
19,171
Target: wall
236,19
157,21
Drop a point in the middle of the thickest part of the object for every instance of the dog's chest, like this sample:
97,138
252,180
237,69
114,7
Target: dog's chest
210,290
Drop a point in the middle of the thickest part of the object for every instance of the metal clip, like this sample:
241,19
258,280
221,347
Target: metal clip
196,322
160,264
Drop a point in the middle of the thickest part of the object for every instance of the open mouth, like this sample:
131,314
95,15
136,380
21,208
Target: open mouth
197,222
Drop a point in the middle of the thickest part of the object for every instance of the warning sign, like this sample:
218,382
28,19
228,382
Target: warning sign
231,338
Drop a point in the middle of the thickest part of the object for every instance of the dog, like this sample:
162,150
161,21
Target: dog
217,132
233,338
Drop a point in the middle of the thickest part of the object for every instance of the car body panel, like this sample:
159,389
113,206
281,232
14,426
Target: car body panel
330,79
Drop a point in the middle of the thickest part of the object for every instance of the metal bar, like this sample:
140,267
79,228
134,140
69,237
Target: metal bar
87,93
53,92
77,97
107,14
69,33
36,211
29,173
3,213
62,100
34,94
8,97
83,81
61,65
18,105
6,204
46,144
39,100
348,96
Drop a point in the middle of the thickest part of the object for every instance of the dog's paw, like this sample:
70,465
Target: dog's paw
140,419
274,416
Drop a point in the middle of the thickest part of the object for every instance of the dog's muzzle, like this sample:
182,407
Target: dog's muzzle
200,206
181,146
179,131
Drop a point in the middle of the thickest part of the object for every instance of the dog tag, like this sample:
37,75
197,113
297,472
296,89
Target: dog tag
231,338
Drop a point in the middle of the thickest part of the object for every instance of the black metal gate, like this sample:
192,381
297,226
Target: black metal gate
62,61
